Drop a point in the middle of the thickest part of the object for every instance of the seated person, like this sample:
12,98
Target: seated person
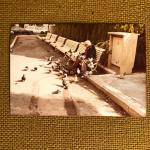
90,53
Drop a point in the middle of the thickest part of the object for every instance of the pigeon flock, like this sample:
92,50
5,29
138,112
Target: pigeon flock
56,66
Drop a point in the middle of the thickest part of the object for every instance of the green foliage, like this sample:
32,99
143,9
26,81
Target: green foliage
131,28
123,27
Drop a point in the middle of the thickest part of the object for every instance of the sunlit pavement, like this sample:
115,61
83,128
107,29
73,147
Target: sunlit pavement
34,96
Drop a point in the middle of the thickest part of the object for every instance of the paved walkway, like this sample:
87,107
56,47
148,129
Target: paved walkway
34,96
128,92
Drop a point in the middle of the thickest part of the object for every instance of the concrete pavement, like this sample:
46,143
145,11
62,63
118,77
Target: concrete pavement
129,93
34,96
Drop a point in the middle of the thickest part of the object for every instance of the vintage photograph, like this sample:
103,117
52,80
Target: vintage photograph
78,69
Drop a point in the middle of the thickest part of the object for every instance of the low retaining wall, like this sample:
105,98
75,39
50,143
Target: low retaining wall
13,43
127,103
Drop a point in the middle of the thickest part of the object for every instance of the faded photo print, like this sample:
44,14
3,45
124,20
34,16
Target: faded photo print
78,69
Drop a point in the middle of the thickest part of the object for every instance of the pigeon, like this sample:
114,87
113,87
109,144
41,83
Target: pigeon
34,69
78,71
65,76
23,78
60,73
90,63
58,61
56,92
64,82
26,68
89,73
53,67
50,60
50,70
56,67
42,65
75,78
120,76
90,59
65,70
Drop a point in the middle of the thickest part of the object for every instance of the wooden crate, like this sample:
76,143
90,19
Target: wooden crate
122,49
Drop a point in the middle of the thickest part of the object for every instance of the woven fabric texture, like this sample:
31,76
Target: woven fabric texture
70,133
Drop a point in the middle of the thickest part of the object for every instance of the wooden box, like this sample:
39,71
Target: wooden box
122,48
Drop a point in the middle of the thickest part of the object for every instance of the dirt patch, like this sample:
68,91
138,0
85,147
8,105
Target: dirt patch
31,46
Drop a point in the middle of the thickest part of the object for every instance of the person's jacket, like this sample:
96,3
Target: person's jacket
91,52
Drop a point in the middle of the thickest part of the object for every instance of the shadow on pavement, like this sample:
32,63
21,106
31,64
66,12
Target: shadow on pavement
70,107
69,104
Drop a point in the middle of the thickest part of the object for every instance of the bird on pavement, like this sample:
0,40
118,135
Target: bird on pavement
75,78
57,62
50,70
26,68
90,63
56,92
56,67
64,82
89,73
78,71
60,73
50,60
65,76
34,69
23,78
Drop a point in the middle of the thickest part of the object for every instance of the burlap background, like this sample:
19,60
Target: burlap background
70,133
